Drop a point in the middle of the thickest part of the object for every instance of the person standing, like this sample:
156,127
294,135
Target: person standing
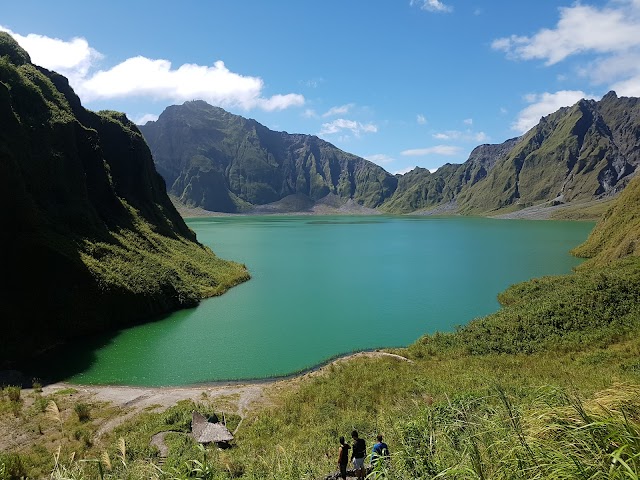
380,450
358,453
343,458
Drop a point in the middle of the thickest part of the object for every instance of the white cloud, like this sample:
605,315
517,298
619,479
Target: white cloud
73,58
467,136
445,150
611,33
468,121
275,102
150,78
432,6
581,28
310,113
629,87
421,119
144,77
404,170
341,110
380,158
614,68
147,117
543,104
340,124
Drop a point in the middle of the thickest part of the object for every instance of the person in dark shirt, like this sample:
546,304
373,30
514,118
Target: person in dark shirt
380,450
343,458
358,453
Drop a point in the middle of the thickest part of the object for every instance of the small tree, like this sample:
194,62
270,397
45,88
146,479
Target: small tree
83,411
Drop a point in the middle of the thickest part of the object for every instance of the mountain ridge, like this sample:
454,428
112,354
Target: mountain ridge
579,153
232,166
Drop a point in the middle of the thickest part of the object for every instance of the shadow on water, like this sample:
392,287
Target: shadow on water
63,361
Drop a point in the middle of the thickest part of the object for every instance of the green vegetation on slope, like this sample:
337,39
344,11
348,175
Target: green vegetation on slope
588,211
617,235
591,307
89,237
420,189
213,159
548,387
557,414
218,161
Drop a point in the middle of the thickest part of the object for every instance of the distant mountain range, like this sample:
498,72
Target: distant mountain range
222,162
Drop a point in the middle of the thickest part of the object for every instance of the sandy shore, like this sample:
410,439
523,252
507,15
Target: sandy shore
238,398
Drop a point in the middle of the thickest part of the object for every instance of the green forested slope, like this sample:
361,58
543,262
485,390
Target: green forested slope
617,234
578,153
213,159
596,305
89,238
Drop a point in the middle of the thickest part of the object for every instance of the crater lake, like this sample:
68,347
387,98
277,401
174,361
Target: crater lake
324,286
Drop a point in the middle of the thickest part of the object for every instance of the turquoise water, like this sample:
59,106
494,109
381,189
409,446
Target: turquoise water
325,286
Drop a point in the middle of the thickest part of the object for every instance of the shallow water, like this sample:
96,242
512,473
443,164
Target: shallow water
325,286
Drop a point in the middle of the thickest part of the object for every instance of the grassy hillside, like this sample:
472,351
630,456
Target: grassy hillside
90,240
548,387
618,232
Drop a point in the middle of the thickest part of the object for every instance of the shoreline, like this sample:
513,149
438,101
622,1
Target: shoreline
543,211
373,352
240,397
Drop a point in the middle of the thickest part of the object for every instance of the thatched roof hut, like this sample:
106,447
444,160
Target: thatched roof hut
205,432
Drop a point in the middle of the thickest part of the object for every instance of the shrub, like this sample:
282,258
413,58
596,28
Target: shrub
11,466
83,411
40,403
37,385
82,434
13,393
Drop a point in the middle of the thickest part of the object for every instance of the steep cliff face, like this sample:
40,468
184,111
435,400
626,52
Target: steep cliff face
213,159
586,151
89,236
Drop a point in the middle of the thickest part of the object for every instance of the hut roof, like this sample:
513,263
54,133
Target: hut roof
205,432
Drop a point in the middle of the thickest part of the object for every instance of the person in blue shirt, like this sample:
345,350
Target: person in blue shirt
380,450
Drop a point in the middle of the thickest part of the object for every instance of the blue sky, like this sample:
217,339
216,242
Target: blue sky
403,83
